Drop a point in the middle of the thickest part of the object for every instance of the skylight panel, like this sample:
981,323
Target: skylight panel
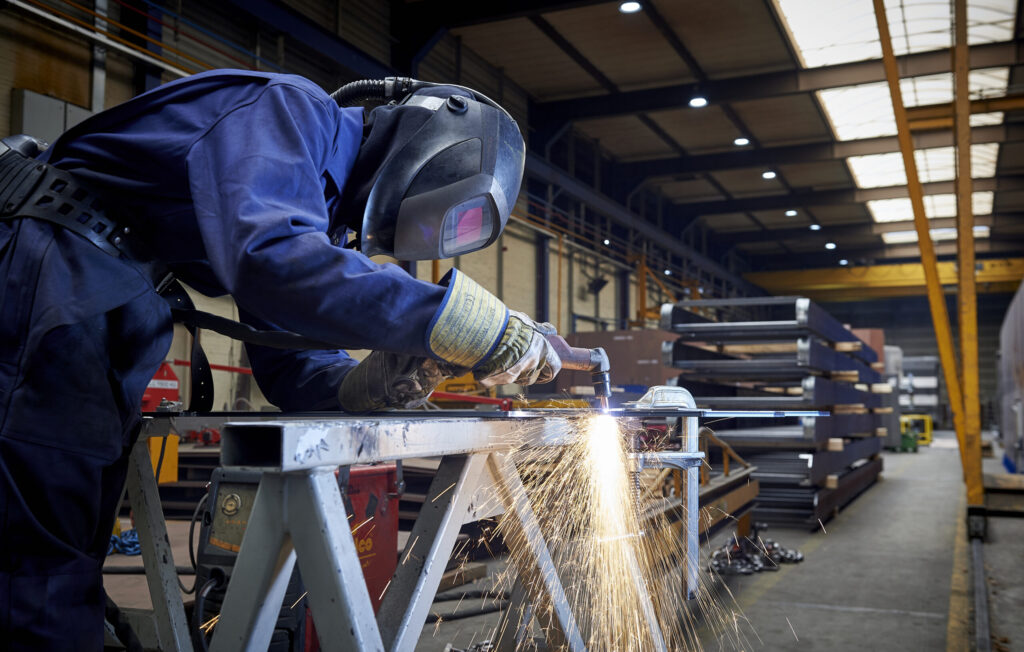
935,164
865,110
937,235
899,210
828,32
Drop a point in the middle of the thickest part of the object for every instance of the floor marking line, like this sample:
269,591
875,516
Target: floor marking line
957,628
870,610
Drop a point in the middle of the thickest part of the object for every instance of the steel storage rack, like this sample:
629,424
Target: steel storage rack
786,353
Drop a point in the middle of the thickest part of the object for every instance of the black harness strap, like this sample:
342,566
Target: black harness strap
201,397
30,188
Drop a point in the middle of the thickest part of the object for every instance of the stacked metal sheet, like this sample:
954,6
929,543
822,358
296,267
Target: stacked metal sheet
785,353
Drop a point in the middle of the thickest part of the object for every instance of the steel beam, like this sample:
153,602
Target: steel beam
942,116
887,254
905,279
754,87
807,153
967,295
546,172
840,231
1011,182
902,276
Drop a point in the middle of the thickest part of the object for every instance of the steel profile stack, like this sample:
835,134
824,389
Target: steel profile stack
785,353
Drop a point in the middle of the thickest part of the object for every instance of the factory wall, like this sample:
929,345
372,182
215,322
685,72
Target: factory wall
45,59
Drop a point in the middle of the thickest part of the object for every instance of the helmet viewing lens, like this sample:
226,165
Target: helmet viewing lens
467,226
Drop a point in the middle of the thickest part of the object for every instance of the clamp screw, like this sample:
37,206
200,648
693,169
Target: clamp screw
117,240
126,230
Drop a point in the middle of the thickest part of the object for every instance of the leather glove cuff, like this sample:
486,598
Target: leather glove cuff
469,324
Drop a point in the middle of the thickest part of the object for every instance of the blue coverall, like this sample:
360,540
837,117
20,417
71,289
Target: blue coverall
233,179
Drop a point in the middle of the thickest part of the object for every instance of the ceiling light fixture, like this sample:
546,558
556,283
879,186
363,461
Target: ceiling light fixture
815,227
668,272
742,141
844,262
768,174
698,101
607,242
830,245
629,7
791,213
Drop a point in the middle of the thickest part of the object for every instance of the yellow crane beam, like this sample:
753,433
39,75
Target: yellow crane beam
942,116
897,280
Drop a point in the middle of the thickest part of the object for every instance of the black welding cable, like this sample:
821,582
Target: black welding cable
198,638
160,460
191,544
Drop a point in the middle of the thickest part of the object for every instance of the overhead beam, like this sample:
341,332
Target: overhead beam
809,152
462,14
840,231
941,116
883,252
843,196
754,87
538,168
907,279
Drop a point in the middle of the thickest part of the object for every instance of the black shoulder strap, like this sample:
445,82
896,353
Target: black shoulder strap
201,399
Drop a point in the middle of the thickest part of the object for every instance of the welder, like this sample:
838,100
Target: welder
262,187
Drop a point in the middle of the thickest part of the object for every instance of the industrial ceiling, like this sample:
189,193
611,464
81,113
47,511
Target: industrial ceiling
795,147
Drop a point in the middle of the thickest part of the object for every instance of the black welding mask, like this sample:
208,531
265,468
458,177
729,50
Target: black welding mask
450,188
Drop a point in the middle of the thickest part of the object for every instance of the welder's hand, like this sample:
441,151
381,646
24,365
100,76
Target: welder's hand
392,380
523,355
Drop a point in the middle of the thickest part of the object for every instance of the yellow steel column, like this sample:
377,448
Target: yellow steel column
936,299
967,295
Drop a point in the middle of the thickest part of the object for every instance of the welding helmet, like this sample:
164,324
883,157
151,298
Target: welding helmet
450,188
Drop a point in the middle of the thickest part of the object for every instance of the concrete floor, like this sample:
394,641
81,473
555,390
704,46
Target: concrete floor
877,578
889,573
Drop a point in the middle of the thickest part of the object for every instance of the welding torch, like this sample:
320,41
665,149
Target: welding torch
579,359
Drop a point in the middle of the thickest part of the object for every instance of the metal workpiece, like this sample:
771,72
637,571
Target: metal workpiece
299,517
808,356
812,392
760,318
811,433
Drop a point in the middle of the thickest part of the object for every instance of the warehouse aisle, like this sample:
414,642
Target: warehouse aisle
879,576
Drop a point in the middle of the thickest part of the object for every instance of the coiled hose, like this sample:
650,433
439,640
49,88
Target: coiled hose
361,91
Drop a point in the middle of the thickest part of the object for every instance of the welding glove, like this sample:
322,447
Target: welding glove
392,380
473,330
523,355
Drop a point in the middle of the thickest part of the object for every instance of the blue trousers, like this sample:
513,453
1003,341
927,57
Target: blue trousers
81,334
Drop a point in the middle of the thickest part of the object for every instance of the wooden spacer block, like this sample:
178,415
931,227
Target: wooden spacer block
832,482
835,444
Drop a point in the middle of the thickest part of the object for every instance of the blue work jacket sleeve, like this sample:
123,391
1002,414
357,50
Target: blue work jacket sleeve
257,180
297,380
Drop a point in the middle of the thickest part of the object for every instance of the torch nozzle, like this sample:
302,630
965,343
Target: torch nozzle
579,359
